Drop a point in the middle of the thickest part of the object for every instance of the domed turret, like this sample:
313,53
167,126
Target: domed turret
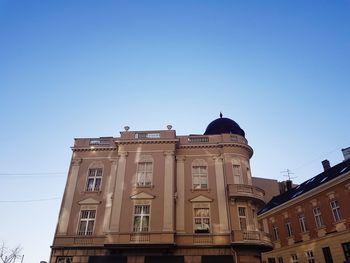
223,125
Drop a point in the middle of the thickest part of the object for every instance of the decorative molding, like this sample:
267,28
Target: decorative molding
122,154
331,195
76,162
89,201
142,195
169,153
149,141
180,158
313,202
201,198
93,149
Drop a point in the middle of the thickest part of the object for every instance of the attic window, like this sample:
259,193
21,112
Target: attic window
310,180
343,169
297,193
324,179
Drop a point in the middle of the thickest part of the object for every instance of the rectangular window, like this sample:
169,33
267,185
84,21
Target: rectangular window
302,223
310,256
201,220
94,180
336,210
327,255
242,218
271,260
87,222
64,260
237,174
275,232
318,217
280,260
141,218
294,258
346,249
199,177
144,174
289,228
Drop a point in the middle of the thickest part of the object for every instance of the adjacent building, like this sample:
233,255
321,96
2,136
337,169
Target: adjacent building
154,196
311,222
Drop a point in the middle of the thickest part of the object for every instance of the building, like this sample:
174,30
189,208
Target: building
311,222
272,187
154,196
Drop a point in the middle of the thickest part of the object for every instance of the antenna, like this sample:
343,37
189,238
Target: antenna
288,174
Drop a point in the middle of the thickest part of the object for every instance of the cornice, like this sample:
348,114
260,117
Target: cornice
149,141
336,181
93,149
216,145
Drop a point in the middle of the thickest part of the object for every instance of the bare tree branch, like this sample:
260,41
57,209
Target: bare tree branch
9,255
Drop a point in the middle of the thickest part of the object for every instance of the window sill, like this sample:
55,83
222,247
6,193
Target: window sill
144,186
200,190
92,192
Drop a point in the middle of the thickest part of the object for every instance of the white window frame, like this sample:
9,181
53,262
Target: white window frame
205,220
318,217
310,256
94,175
237,173
242,217
199,171
294,258
144,173
87,216
335,210
143,214
289,228
302,223
275,232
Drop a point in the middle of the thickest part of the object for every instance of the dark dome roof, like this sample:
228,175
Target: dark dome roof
223,125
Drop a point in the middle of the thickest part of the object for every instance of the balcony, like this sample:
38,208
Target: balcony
257,239
243,191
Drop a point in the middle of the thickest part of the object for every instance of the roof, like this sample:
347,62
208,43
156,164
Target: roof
223,125
314,182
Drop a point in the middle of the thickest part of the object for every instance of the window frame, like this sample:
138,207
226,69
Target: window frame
242,219
346,250
302,223
141,215
335,207
144,176
310,257
202,178
318,217
289,228
275,233
95,174
196,230
237,173
294,258
87,220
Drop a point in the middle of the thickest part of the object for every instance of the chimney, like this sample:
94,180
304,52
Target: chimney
346,153
326,165
289,184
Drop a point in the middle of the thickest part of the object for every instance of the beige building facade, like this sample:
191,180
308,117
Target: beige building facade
154,196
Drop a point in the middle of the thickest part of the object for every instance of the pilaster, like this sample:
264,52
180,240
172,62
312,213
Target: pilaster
168,211
68,198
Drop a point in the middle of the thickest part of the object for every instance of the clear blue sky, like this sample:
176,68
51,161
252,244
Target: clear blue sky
281,69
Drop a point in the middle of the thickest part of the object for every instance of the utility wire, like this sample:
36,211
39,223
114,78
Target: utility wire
29,201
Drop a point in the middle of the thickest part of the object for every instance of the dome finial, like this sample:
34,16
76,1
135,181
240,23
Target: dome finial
220,114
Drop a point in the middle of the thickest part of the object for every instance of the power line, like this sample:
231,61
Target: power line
30,201
32,175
